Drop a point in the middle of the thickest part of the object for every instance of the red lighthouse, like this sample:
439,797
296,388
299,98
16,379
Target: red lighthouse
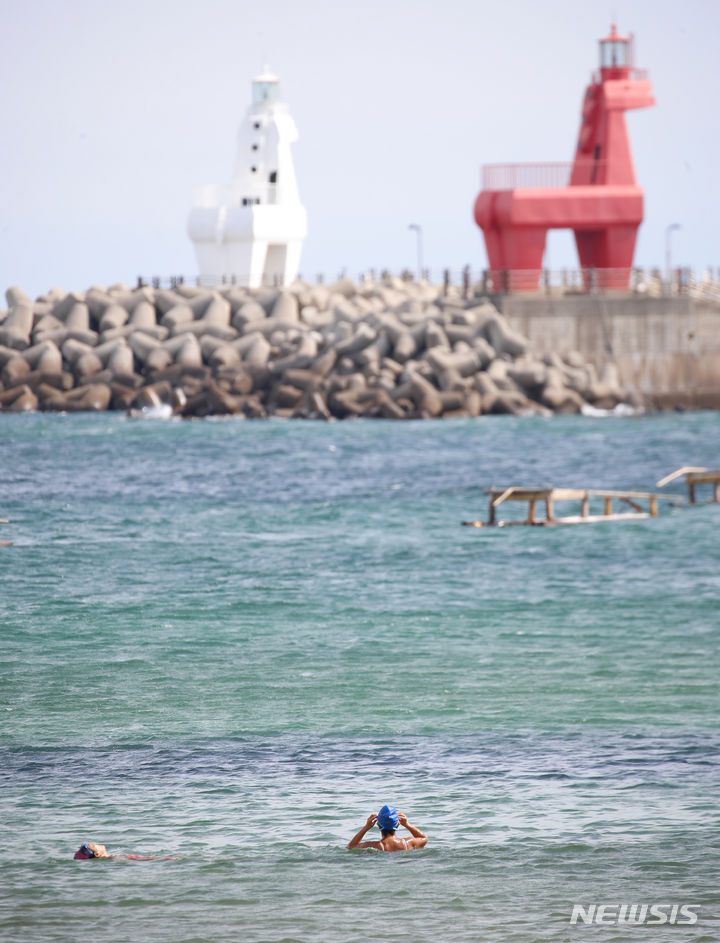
598,196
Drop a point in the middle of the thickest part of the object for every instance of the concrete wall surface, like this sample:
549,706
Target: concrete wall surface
661,346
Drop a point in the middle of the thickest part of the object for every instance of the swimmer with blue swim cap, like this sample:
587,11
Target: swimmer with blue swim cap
388,820
91,850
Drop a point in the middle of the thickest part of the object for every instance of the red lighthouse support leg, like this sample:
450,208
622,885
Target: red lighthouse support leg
523,250
609,252
485,217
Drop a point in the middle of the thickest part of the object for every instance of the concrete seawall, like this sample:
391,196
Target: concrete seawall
665,349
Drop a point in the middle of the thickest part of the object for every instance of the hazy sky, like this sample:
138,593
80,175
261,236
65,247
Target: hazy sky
111,112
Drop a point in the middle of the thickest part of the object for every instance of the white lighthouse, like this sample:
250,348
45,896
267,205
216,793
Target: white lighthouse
251,231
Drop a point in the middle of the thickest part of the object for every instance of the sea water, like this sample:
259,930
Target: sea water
225,643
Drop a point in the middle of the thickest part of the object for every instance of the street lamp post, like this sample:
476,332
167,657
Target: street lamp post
669,230
418,230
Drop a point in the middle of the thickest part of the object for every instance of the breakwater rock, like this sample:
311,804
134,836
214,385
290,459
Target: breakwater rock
393,349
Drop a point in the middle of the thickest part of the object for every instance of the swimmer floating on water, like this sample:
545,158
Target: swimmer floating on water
91,850
387,820
96,850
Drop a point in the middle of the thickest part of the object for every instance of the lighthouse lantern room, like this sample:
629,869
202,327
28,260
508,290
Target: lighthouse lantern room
251,231
616,52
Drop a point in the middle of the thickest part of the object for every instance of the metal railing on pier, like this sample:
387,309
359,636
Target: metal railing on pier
648,282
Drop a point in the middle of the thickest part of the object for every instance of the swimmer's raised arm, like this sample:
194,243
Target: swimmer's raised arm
357,842
419,839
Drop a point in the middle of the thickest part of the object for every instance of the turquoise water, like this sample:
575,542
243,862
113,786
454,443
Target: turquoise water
231,641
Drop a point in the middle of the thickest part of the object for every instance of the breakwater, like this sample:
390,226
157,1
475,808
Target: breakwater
393,349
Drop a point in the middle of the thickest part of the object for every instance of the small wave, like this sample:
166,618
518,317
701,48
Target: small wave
619,411
163,411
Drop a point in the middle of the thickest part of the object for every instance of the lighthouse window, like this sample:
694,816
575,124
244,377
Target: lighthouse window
256,125
266,91
255,147
614,54
273,176
253,170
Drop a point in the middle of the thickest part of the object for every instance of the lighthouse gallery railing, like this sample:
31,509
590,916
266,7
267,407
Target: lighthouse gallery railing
546,174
